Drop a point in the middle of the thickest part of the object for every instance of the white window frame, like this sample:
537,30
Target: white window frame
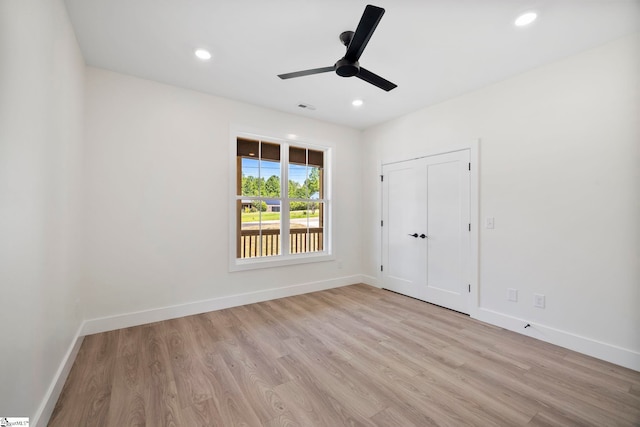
284,259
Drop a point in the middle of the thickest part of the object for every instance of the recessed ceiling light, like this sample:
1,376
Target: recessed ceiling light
203,54
525,19
357,102
292,136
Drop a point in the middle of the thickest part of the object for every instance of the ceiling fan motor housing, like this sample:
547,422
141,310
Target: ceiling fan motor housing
345,37
346,68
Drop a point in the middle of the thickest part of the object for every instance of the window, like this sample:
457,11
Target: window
281,203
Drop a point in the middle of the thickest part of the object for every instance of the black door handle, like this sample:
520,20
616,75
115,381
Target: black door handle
423,236
414,235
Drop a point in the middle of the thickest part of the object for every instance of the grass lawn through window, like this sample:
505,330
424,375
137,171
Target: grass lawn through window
275,216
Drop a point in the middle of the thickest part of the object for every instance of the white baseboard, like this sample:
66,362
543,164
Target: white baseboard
103,324
371,281
600,350
41,418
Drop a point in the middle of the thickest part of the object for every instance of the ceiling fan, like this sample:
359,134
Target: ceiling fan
348,65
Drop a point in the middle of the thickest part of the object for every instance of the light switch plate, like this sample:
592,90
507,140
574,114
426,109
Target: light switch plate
489,223
538,300
512,294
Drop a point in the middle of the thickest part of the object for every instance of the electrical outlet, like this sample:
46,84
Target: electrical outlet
512,294
538,300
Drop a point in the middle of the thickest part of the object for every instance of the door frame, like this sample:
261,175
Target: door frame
474,213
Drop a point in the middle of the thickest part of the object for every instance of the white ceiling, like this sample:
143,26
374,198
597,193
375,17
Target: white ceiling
432,49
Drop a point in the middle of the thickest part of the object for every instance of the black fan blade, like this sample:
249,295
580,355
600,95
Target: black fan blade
306,72
368,23
375,80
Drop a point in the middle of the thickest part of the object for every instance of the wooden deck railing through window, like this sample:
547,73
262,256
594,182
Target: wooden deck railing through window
299,241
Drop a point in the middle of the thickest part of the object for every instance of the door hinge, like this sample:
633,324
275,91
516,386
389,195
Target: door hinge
381,268
381,178
381,223
469,288
469,227
469,166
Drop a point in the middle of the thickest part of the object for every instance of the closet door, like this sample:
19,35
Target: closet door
426,229
447,262
404,252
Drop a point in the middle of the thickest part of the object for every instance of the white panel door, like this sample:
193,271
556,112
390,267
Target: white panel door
448,215
404,252
428,197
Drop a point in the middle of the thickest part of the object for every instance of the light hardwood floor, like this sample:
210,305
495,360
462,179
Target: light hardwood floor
354,356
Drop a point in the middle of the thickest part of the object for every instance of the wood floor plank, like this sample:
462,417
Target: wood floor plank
322,395
231,405
599,367
551,418
351,356
127,403
578,402
253,382
126,408
162,406
189,375
205,413
475,398
205,334
90,381
155,355
251,346
355,396
305,406
265,330
393,417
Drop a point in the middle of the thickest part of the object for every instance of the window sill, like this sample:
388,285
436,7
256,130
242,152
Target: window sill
277,261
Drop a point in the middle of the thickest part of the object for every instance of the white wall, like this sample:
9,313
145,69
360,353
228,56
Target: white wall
41,95
157,170
560,156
